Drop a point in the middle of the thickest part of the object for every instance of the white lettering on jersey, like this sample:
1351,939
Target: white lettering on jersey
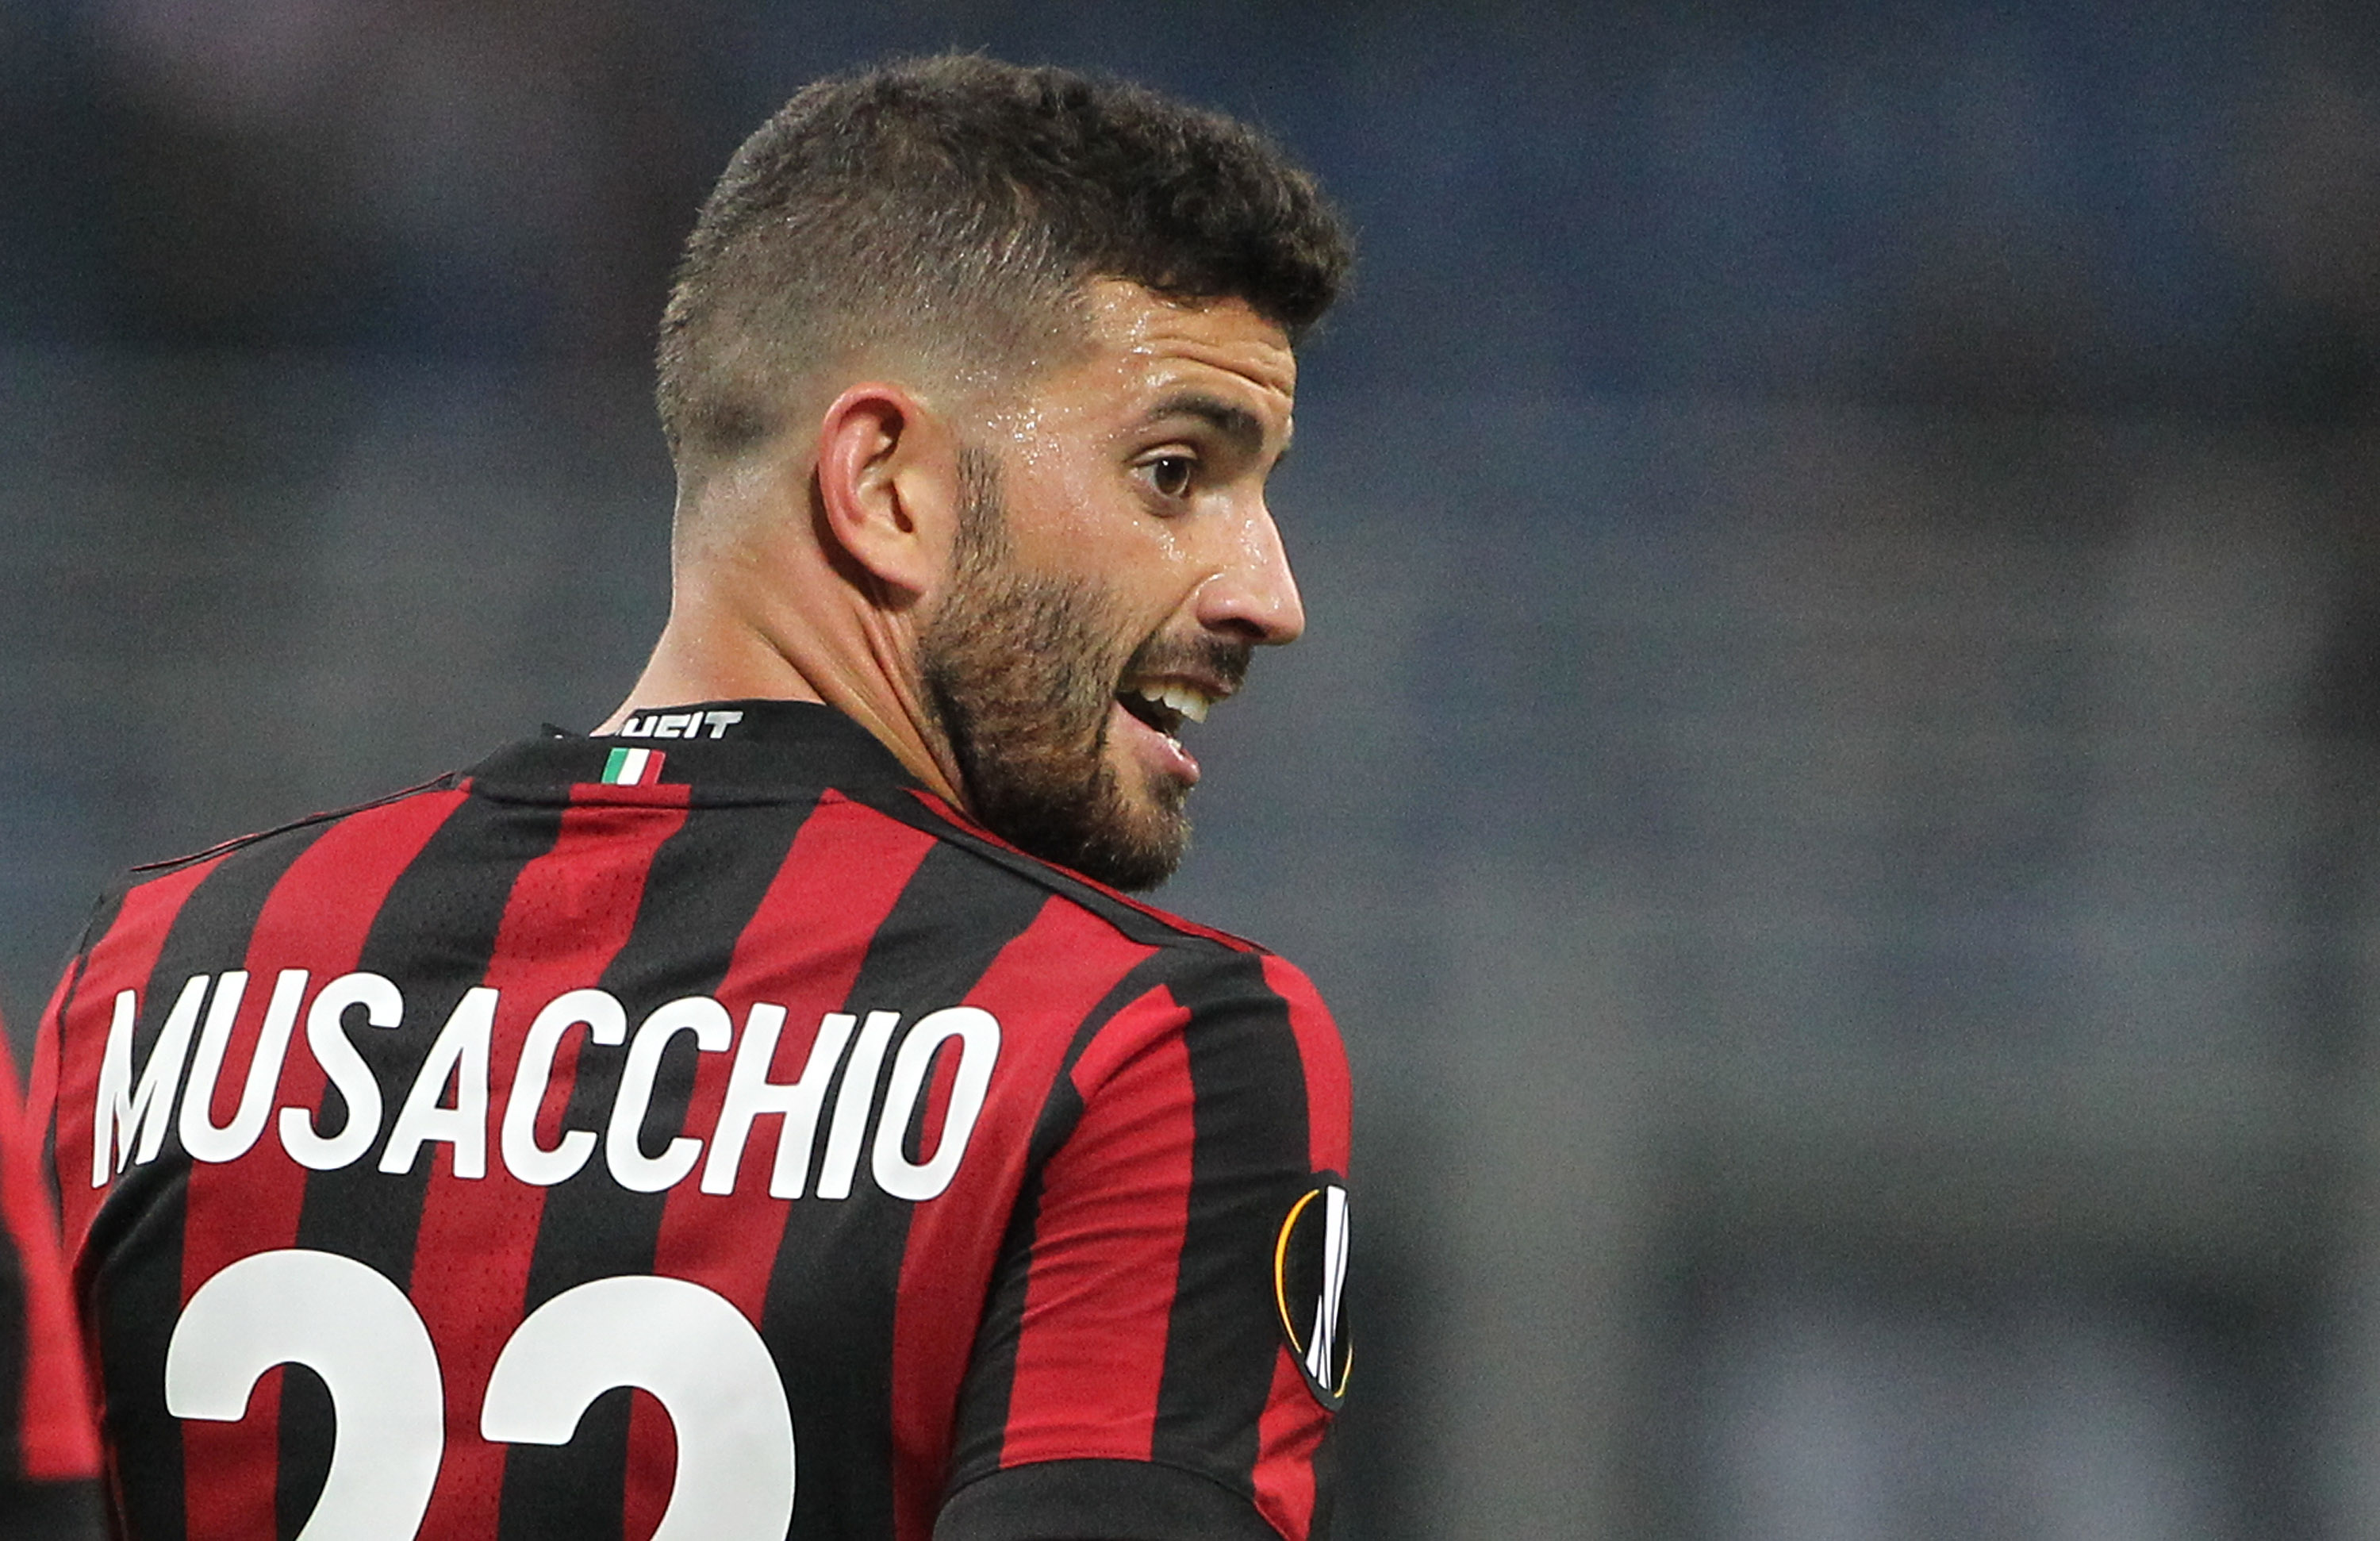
326,1036
201,1136
678,724
354,1328
460,1055
852,1106
606,1021
751,1094
688,1347
124,1112
623,1149
979,1035
449,1098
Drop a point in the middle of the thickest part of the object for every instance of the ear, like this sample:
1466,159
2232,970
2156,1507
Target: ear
888,487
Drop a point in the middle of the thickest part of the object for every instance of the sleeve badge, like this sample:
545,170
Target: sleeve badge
1310,1277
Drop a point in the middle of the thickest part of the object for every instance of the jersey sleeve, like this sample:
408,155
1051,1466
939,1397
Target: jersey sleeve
1162,1353
49,1451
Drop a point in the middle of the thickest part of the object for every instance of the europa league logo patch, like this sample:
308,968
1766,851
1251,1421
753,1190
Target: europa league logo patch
1309,1274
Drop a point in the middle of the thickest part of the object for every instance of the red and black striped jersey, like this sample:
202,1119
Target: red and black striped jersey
698,1133
49,1455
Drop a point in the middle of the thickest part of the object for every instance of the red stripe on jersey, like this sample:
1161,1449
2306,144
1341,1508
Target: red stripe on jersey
1288,1435
41,1086
1040,989
41,1079
1325,1057
648,795
316,919
802,950
123,959
569,914
52,1429
1091,1349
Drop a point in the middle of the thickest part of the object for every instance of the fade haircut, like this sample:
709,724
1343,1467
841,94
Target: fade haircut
954,208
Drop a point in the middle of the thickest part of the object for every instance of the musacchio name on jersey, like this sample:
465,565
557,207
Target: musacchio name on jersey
451,1101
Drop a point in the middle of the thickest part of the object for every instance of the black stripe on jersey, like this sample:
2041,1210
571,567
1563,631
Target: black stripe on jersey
982,1421
137,1293
1116,1500
951,922
706,883
1326,1485
1249,1161
51,1510
16,1340
434,935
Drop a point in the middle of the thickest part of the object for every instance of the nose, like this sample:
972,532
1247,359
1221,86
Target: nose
1253,593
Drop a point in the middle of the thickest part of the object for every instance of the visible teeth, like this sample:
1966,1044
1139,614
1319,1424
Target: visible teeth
1192,704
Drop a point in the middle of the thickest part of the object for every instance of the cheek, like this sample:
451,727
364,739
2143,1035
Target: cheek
1095,527
1053,508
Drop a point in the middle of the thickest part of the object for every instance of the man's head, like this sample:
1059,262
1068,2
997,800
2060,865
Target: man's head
1024,340
949,212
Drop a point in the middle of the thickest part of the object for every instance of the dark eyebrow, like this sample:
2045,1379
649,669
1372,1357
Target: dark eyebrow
1242,427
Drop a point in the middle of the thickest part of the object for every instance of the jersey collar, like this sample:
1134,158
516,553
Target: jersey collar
753,745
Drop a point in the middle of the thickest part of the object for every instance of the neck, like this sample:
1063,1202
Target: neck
700,659
712,651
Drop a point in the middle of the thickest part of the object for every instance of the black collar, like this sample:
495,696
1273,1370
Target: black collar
759,746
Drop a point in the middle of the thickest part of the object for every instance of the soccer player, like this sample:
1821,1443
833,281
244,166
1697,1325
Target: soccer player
49,1458
765,1116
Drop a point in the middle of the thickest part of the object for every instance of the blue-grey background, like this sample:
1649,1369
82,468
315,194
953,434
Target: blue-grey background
1831,781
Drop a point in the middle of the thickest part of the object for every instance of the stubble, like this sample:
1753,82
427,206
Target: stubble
1021,670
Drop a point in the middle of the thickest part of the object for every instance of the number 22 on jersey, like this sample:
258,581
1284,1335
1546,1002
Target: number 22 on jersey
687,1346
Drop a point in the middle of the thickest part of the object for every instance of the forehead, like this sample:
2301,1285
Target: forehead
1140,346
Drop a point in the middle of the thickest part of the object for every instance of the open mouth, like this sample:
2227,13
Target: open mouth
1165,705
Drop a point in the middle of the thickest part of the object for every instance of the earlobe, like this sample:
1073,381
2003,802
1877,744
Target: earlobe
887,480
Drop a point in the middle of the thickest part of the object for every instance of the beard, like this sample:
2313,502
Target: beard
1021,670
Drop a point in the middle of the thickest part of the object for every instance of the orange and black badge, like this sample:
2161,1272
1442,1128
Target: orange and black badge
1309,1280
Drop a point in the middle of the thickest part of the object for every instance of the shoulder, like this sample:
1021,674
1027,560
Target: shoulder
294,834
1184,986
1202,969
134,914
1132,918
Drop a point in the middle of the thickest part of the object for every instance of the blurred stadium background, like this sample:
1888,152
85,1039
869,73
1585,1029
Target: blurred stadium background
1832,782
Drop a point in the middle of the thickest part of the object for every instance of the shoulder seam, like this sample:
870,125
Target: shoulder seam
447,782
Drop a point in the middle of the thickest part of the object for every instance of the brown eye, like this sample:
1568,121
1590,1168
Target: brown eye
1171,475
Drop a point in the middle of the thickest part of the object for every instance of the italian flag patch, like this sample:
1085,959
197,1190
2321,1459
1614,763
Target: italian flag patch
633,768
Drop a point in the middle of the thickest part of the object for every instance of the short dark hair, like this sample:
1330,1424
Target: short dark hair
958,206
